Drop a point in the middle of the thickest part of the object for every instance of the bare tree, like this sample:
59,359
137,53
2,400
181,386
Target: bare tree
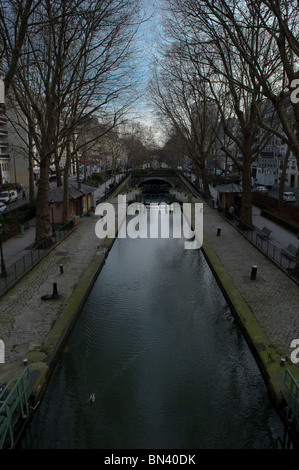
216,61
133,139
13,31
271,55
179,95
263,36
74,63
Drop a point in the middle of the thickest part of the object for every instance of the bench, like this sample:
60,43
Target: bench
290,251
265,232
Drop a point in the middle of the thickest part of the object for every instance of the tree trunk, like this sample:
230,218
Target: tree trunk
197,182
205,183
43,223
31,172
246,203
66,184
282,178
58,174
78,171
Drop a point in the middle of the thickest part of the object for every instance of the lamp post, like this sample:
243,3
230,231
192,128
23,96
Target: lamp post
52,207
3,269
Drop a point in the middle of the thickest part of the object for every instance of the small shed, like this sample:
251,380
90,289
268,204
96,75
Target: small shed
80,201
229,195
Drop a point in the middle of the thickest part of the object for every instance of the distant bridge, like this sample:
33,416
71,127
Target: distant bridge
161,175
154,184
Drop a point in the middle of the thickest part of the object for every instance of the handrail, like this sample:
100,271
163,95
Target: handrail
292,385
17,269
13,405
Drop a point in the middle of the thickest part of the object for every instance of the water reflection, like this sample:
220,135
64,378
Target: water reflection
157,344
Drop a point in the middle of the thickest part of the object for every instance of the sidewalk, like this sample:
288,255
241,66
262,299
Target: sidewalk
280,236
16,247
273,297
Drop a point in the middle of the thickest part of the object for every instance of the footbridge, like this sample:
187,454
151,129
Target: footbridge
155,184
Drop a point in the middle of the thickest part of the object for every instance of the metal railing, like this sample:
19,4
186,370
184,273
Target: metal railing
13,272
274,252
209,200
110,191
292,386
13,406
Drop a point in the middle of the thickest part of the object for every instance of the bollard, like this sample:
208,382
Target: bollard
282,361
55,291
218,232
253,273
61,269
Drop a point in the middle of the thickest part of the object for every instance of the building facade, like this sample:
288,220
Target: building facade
271,161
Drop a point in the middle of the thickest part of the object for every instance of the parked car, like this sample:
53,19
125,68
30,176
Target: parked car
2,208
262,189
13,196
8,196
289,197
5,197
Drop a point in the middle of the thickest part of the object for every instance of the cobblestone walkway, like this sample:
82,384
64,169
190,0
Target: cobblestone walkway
273,297
25,319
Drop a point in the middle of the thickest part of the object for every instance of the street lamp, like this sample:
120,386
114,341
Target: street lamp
3,269
52,207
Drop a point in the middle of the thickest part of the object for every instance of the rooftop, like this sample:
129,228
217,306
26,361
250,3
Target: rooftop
75,192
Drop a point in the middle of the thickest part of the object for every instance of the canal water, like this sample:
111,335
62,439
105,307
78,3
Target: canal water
159,347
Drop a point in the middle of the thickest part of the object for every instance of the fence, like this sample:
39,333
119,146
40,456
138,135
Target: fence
209,200
13,406
10,274
110,191
276,254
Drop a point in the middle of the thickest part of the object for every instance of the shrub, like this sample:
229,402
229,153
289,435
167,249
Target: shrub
97,178
20,215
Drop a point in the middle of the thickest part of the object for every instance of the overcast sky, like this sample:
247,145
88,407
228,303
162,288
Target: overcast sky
148,35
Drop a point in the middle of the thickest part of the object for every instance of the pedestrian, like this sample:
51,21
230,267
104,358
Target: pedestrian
24,194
